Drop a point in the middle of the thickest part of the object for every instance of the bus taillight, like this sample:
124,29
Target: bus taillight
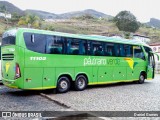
17,72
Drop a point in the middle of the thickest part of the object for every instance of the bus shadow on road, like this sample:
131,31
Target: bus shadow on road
111,85
1,83
16,92
120,84
24,93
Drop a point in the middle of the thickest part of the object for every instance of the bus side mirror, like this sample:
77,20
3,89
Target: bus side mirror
156,55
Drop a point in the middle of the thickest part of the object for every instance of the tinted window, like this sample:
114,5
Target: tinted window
73,46
76,47
89,48
109,49
35,42
54,45
138,52
147,50
150,56
116,50
128,51
98,49
9,40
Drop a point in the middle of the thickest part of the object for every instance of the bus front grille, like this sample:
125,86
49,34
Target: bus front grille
7,56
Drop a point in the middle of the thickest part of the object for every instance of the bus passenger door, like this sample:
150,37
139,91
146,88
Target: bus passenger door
49,78
151,66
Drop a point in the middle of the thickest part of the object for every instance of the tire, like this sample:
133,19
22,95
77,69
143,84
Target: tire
63,84
141,78
80,83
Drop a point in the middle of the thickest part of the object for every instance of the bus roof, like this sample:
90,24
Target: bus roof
82,36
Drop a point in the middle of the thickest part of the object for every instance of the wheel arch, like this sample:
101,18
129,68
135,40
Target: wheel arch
84,74
65,75
144,73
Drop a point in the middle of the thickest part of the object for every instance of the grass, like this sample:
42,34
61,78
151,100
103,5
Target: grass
99,27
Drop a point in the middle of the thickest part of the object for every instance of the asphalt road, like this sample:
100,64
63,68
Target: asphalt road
18,100
116,97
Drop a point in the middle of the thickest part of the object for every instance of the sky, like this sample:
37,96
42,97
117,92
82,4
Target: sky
142,9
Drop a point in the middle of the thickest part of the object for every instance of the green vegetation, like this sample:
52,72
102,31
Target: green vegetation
79,25
30,20
126,21
2,8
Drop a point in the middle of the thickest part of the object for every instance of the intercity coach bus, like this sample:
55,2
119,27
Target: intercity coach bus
38,59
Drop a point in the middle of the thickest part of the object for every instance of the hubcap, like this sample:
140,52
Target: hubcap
81,83
142,77
63,85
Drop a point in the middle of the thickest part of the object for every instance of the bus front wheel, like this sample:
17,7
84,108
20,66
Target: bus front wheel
63,84
80,83
141,78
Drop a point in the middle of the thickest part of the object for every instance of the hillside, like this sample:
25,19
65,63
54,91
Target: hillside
91,12
97,27
47,15
76,22
154,23
11,8
42,14
68,15
87,26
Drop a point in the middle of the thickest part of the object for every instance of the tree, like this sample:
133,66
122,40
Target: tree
30,21
15,18
3,8
126,21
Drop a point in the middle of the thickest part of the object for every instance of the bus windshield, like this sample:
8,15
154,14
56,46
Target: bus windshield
8,38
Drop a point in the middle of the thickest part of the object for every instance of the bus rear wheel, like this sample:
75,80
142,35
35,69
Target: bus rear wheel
63,84
141,78
80,83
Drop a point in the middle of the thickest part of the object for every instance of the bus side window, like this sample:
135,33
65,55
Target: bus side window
119,50
109,49
54,45
138,52
128,51
89,48
150,56
122,53
116,50
35,42
82,50
98,49
73,46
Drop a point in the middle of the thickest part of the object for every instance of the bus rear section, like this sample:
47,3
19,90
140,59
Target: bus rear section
10,68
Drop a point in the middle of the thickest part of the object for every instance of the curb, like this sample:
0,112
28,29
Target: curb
57,102
69,107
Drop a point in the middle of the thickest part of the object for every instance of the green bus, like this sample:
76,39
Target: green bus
38,59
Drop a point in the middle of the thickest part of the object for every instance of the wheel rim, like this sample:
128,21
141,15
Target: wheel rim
81,83
141,77
64,85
